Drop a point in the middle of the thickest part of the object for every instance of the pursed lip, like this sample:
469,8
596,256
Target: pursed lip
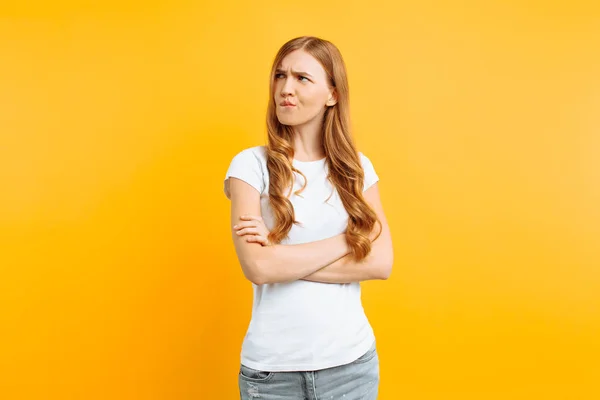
286,103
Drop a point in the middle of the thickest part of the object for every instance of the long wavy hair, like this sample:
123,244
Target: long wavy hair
345,170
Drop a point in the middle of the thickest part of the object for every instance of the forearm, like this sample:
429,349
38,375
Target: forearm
346,270
287,263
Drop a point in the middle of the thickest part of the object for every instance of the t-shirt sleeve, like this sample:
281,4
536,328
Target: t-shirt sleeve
245,166
370,174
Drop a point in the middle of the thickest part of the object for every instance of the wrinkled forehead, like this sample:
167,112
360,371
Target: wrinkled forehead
300,60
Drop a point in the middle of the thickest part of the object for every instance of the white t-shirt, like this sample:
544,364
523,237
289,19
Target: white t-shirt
302,325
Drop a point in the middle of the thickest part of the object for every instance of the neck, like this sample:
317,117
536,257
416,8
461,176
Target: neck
308,142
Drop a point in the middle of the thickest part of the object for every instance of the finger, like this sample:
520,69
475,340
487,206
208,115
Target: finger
258,239
247,231
248,224
250,217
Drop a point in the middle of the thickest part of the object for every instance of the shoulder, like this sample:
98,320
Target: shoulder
251,157
364,160
248,165
370,174
257,153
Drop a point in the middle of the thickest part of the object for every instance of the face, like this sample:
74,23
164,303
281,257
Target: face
301,81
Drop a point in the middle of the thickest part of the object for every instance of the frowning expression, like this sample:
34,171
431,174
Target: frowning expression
301,89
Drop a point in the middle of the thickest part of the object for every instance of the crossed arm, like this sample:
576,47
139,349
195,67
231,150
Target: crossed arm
326,261
377,264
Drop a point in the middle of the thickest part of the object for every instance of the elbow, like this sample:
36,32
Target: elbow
258,279
387,263
385,273
384,259
385,270
262,278
250,269
254,272
255,279
264,275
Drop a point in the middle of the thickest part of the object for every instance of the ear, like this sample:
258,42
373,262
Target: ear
332,98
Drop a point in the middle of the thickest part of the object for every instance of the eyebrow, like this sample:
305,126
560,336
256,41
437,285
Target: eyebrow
280,71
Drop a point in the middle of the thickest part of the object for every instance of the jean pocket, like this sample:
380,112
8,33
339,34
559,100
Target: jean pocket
368,356
254,375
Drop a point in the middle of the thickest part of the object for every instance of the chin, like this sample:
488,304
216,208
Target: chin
287,121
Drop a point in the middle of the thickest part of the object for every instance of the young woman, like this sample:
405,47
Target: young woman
308,227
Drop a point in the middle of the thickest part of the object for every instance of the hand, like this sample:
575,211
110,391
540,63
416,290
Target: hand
255,228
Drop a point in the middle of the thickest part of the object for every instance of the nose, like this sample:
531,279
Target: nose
288,87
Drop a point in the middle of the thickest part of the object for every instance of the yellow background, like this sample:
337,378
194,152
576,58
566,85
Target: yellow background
118,120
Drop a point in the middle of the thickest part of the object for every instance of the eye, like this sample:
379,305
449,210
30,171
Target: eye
277,76
303,77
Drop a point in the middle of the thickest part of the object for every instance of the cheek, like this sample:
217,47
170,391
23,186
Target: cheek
276,88
312,98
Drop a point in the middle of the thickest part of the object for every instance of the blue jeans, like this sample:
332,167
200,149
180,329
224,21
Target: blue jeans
358,380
